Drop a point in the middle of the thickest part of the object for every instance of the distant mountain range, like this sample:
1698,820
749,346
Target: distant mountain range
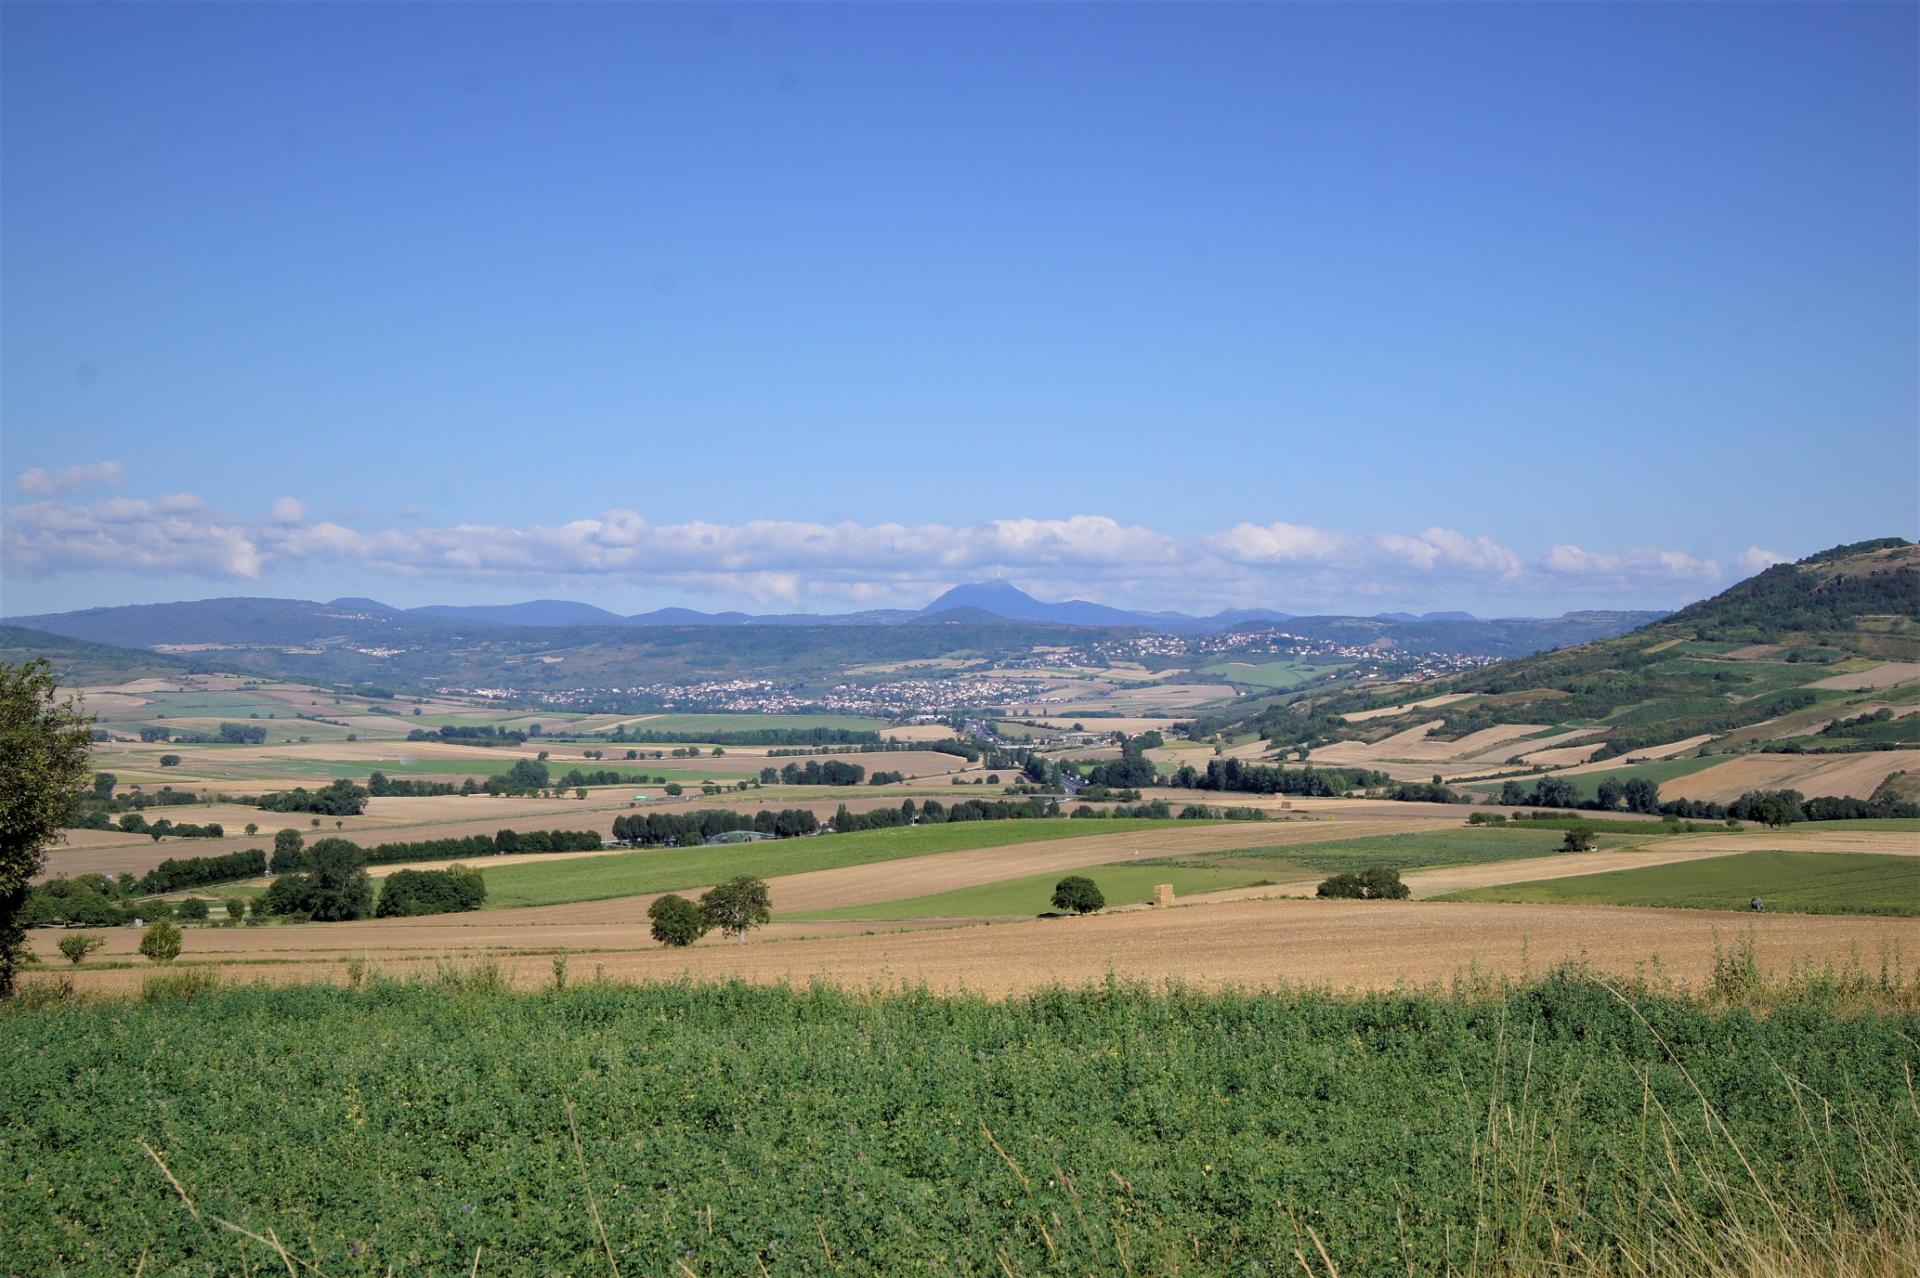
259,620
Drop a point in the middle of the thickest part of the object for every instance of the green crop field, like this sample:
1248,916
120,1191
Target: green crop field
1126,884
453,1128
1797,882
600,878
1282,674
1468,845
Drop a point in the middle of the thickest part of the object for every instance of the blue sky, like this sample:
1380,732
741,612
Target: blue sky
1509,308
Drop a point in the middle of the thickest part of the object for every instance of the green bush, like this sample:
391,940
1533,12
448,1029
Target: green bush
77,945
448,891
161,941
1375,883
1078,894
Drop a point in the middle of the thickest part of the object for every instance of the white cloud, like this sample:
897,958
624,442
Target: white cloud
1757,559
88,475
1649,563
803,564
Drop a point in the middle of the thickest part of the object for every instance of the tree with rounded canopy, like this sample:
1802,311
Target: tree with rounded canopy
1578,838
1078,894
44,749
161,941
737,905
77,945
676,920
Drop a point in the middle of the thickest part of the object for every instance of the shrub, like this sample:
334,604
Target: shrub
1375,883
194,909
1578,838
236,908
161,941
1078,894
169,760
80,944
676,920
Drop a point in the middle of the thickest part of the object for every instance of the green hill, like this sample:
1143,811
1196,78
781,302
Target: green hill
1743,667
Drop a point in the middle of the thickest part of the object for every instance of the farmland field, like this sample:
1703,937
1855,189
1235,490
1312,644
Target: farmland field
671,869
1804,882
408,1129
1033,894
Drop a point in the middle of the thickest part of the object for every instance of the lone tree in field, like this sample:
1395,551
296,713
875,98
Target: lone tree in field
737,905
1078,894
161,941
676,921
1577,839
1375,883
44,746
77,945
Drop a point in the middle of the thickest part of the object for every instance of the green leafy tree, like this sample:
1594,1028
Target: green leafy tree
194,909
1642,795
1577,839
737,906
1078,894
161,941
44,748
1610,794
676,920
236,908
340,887
169,760
103,783
77,945
286,851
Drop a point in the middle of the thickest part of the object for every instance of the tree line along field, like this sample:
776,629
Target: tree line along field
1565,1125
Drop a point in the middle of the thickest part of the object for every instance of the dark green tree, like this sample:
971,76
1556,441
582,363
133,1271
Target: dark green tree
287,845
1078,894
676,920
44,748
340,888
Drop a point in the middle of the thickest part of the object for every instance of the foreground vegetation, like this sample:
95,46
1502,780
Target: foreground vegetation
1559,1125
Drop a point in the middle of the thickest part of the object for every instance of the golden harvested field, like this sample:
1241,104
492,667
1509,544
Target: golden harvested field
1892,674
1341,944
1849,775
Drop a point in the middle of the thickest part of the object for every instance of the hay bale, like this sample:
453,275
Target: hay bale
1163,894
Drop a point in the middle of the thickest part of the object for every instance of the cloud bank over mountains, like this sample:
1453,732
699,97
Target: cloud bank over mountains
795,563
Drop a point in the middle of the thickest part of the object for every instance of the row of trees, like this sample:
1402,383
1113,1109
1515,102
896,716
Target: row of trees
341,798
1258,778
1636,794
815,772
290,854
449,891
690,829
